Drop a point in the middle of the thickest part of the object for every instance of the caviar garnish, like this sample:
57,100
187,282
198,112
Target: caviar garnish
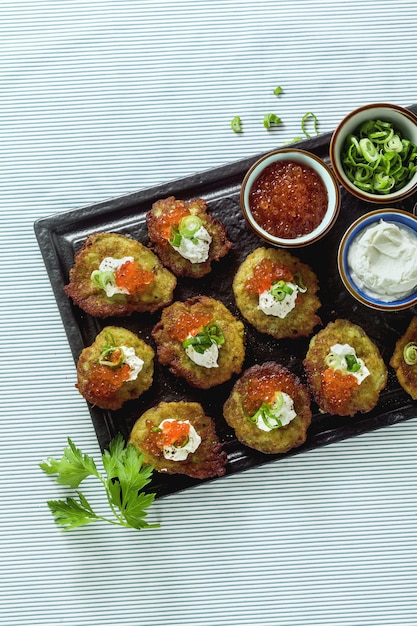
188,324
104,381
169,221
338,386
265,274
132,277
288,199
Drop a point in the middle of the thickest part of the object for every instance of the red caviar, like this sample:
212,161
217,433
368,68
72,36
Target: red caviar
172,433
169,220
263,388
264,274
188,324
104,381
132,277
337,386
288,199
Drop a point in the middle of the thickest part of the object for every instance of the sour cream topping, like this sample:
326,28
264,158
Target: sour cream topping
282,409
279,308
339,352
109,264
383,261
209,358
195,250
133,361
173,453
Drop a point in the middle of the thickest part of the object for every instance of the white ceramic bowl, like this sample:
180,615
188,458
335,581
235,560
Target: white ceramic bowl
355,230
303,158
402,120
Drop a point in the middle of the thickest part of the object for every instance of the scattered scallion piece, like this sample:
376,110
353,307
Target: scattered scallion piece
410,353
236,124
204,339
271,119
278,90
304,120
377,159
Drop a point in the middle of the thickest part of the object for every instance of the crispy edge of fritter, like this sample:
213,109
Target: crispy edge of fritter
171,353
279,440
172,259
302,320
131,389
94,301
406,374
366,396
208,461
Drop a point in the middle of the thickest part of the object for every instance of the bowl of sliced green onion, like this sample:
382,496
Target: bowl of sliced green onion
373,153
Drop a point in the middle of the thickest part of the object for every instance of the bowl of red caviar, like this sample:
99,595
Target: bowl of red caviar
373,152
290,198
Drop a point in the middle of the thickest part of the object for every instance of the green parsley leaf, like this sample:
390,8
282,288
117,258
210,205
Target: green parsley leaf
125,478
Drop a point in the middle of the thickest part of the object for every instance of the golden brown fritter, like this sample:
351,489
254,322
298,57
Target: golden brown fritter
165,214
336,392
208,460
182,319
259,385
106,384
144,297
406,374
255,274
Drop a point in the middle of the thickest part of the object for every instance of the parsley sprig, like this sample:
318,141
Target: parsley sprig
125,478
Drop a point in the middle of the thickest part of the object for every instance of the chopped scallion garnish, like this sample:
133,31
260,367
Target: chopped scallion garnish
410,353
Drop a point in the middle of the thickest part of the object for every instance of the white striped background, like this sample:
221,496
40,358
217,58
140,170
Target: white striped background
100,98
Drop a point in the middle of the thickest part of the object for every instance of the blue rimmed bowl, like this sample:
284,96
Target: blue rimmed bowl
406,222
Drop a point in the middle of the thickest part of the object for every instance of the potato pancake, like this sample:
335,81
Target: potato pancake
345,370
269,409
115,275
276,293
201,341
166,228
406,370
116,368
163,433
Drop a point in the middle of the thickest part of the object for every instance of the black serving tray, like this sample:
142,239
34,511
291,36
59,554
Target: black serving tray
60,236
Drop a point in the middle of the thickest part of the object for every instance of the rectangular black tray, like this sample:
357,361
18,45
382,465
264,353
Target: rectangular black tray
60,236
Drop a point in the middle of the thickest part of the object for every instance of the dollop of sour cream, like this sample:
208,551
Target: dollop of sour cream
343,350
383,261
279,308
195,250
282,410
172,453
134,362
109,264
209,358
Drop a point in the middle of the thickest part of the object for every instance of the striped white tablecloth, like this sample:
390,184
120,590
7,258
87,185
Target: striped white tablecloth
100,98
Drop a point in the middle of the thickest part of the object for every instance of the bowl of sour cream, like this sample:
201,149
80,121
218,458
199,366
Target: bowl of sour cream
377,259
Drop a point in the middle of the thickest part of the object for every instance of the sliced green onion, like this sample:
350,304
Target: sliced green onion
278,90
376,144
300,283
189,225
266,414
271,119
103,279
236,124
410,353
204,339
304,120
175,237
280,290
352,363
